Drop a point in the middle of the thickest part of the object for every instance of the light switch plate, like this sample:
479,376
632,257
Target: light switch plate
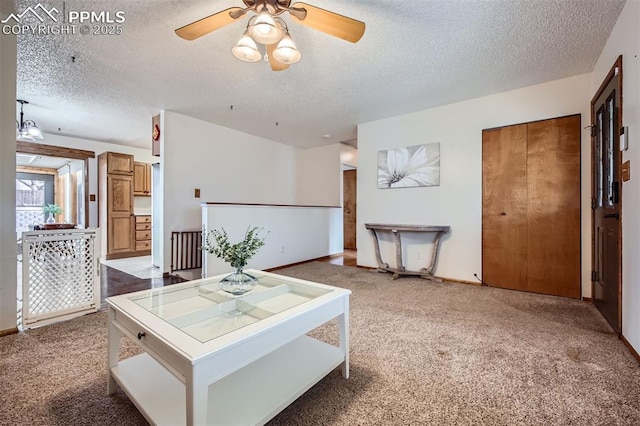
624,138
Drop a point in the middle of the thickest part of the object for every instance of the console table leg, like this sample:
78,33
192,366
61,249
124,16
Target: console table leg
396,237
382,267
434,253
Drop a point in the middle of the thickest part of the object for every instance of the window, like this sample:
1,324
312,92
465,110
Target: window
32,192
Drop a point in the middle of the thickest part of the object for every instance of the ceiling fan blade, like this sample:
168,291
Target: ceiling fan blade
330,23
211,23
275,65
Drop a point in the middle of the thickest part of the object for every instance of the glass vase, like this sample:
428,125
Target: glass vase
238,283
51,219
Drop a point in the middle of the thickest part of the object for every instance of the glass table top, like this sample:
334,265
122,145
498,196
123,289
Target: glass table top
205,312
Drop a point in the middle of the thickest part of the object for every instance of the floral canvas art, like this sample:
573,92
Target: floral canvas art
411,166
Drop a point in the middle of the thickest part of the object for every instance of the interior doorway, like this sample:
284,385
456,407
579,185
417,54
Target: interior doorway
43,180
606,201
349,208
77,181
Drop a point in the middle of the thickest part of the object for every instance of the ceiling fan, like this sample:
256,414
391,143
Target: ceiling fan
268,28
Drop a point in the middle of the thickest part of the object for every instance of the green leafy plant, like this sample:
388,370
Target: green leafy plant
237,255
52,208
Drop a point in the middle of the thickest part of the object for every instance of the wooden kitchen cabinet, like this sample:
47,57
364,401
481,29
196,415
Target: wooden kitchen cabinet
115,204
119,163
141,179
143,234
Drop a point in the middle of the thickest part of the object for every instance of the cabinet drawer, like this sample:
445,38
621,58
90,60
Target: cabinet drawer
151,344
143,219
143,245
143,235
143,226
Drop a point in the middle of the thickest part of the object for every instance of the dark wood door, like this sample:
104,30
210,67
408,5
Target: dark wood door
504,207
531,207
606,201
553,210
350,183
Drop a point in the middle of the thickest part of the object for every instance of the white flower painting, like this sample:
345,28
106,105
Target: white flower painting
417,165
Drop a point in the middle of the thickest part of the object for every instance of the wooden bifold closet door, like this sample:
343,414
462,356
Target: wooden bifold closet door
531,206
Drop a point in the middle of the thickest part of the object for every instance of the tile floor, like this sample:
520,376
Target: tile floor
140,267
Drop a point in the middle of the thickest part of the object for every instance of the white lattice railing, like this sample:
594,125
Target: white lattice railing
60,275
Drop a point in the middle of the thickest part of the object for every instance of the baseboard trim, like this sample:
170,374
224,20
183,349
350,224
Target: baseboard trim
451,280
587,299
372,268
366,267
9,331
455,280
323,258
630,348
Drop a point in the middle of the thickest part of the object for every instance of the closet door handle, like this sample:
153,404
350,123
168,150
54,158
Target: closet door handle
616,215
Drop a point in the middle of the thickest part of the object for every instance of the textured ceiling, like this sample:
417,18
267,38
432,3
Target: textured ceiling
415,54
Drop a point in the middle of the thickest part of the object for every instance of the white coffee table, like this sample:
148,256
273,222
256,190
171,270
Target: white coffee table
214,358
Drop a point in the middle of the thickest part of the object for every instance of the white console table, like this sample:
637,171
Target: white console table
426,273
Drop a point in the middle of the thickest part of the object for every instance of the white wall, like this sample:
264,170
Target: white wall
319,183
458,200
227,166
143,155
8,245
318,176
625,40
295,234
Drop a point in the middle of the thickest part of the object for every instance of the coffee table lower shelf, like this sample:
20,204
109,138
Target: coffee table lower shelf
252,395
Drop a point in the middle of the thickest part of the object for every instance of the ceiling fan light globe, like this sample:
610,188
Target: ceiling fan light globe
246,54
246,50
265,30
286,52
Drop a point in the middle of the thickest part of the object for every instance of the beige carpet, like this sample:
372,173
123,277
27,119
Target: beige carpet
421,353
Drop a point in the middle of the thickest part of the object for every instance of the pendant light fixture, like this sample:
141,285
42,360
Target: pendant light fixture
27,130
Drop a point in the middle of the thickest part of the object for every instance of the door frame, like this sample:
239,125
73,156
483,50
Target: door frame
62,152
616,69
